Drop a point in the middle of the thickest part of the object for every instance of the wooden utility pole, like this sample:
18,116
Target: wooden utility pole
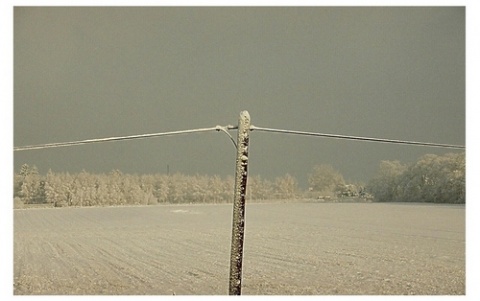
238,223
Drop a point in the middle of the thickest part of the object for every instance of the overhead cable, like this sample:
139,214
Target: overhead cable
230,127
359,138
119,138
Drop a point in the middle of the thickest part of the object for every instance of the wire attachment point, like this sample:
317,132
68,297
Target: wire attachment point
225,129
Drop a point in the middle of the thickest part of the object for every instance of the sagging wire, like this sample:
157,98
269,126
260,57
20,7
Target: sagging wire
225,129
359,138
120,138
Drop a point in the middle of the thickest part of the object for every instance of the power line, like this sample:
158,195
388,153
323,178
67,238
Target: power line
358,138
119,138
225,130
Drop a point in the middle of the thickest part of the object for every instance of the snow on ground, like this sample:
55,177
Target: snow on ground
290,248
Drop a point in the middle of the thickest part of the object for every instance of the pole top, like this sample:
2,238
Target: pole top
244,118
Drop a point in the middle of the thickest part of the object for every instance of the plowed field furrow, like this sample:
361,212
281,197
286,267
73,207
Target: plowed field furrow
291,248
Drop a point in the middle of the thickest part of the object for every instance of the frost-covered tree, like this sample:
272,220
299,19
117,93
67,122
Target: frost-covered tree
31,188
324,178
214,190
161,188
286,187
385,184
432,179
259,188
435,179
52,187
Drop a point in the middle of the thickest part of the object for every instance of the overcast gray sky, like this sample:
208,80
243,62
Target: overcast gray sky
81,73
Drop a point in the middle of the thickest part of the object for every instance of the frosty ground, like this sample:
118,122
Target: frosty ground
290,248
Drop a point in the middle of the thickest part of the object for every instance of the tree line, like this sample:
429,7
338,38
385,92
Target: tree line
432,179
435,179
117,188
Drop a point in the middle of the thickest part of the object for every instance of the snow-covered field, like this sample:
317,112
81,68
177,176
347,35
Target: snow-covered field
290,248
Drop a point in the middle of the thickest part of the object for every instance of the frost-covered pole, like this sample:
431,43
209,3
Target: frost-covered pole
238,223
